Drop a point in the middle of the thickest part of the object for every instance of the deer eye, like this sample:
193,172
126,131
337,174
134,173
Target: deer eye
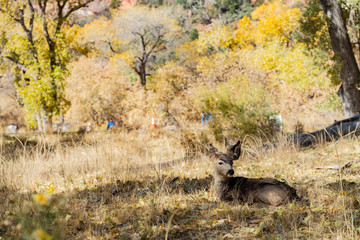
221,163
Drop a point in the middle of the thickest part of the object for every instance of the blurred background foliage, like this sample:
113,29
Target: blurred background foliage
241,60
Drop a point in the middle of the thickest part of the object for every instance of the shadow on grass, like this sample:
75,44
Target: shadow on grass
133,189
195,217
344,185
130,221
13,146
148,209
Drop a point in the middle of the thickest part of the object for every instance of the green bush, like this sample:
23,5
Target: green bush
194,34
239,108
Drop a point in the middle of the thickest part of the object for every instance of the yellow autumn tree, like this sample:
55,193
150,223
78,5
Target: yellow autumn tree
209,52
261,56
275,20
96,91
245,35
216,39
35,44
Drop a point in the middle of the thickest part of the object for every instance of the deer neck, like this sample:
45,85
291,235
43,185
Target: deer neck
221,184
222,179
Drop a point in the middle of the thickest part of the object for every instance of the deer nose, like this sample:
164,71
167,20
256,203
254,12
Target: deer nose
230,172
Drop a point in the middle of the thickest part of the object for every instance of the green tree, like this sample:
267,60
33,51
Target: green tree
36,43
233,9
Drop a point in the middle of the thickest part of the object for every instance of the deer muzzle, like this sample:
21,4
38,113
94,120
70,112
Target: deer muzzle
230,172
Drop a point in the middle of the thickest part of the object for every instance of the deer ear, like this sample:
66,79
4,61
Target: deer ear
227,143
212,150
235,150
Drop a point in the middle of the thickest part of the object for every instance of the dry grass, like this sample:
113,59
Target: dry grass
110,186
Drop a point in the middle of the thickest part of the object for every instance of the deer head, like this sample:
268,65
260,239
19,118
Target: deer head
223,162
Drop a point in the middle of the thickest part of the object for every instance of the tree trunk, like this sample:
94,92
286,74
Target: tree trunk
38,119
143,78
49,125
349,72
143,73
44,123
140,69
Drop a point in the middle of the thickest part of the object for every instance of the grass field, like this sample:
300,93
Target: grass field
112,186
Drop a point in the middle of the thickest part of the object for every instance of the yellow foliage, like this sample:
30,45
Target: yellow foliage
211,67
89,35
290,66
123,59
188,55
169,82
245,34
275,21
39,234
91,30
271,34
42,199
95,90
216,38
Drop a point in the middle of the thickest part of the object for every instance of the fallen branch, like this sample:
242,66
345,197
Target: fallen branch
339,167
331,133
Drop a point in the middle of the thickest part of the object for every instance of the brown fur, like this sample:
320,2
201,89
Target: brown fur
262,191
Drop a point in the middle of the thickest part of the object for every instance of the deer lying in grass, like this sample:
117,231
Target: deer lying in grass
261,191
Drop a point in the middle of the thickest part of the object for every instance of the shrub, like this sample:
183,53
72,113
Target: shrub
42,218
194,34
239,108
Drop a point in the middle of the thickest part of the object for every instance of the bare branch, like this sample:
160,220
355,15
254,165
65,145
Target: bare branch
16,61
49,41
112,48
157,43
137,71
60,17
21,20
28,31
77,7
32,16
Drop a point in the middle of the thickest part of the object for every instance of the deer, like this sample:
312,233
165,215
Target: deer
257,191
